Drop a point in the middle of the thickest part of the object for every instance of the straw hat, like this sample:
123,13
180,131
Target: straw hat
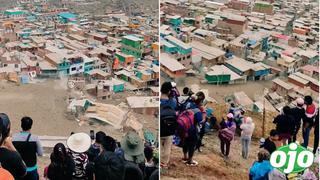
79,142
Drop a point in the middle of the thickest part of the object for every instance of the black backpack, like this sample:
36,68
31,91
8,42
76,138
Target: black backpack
27,150
168,120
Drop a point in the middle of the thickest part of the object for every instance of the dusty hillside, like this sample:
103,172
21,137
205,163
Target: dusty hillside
211,164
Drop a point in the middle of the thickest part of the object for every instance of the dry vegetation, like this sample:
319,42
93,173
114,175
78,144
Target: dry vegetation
211,164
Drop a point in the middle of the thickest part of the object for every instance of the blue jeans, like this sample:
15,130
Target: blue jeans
32,175
305,135
245,142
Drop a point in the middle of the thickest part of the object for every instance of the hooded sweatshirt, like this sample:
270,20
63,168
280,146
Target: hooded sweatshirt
247,128
259,170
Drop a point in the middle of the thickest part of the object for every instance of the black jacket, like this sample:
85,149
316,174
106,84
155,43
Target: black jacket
298,114
284,123
109,165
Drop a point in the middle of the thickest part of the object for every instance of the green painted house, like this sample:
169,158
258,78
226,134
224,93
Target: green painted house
64,67
213,78
12,13
189,21
168,47
132,45
175,20
181,47
210,18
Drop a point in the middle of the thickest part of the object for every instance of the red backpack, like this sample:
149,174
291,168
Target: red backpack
186,125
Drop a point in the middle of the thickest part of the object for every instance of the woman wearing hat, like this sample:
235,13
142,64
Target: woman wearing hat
78,144
9,157
226,134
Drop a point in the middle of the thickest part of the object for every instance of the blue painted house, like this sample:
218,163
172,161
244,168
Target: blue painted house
88,64
181,47
67,17
168,47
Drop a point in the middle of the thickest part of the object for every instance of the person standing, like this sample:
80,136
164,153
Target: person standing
200,117
109,165
272,142
284,125
316,134
10,159
94,149
247,128
226,134
28,146
260,169
308,120
62,165
298,113
168,122
78,145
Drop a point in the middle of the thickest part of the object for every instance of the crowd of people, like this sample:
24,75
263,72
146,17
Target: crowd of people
184,119
84,157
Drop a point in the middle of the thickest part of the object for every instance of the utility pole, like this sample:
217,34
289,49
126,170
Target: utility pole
265,92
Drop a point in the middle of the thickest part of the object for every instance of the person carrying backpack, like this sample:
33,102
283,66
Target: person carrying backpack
187,132
168,122
185,99
308,121
28,146
200,117
226,134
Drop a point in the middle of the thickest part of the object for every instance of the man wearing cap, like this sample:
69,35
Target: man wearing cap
298,114
28,146
9,157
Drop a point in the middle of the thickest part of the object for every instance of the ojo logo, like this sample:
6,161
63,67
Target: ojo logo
291,158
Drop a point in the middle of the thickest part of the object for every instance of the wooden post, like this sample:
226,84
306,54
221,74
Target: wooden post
265,92
263,117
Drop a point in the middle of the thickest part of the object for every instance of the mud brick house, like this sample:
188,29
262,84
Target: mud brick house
209,55
144,105
234,23
281,87
171,66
